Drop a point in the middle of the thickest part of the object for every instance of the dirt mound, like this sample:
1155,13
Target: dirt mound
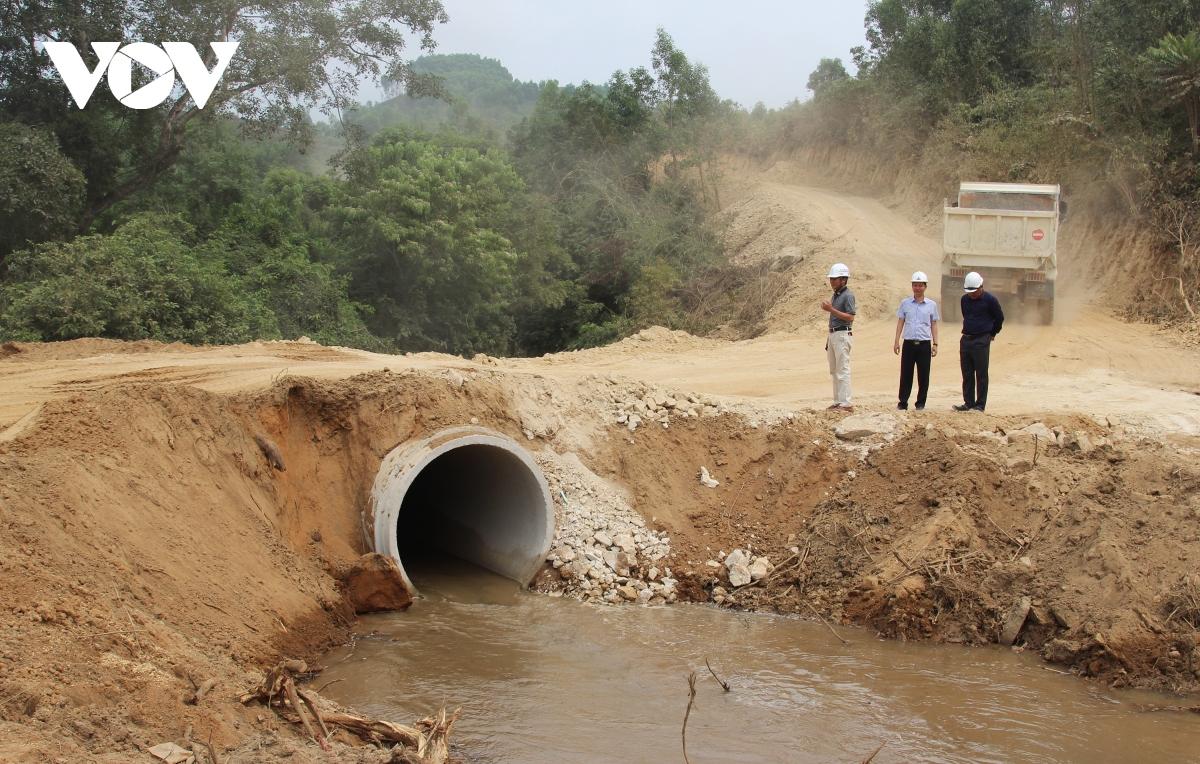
947,535
83,348
655,339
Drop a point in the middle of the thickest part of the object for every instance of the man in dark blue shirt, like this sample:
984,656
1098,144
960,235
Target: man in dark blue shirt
982,321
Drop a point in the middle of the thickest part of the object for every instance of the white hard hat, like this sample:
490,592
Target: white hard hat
839,270
920,276
972,282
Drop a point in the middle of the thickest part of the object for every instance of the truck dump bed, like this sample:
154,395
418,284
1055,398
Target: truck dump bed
1013,228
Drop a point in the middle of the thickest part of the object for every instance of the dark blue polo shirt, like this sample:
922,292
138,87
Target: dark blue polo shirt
982,316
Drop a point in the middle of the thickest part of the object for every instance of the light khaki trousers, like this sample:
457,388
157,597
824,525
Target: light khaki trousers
838,351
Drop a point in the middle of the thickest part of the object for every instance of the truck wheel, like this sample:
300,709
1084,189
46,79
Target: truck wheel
949,308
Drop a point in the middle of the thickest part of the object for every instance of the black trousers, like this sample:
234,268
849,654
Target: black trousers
973,356
915,354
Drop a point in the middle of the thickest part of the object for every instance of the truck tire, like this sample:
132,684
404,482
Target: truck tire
1045,312
949,309
1046,308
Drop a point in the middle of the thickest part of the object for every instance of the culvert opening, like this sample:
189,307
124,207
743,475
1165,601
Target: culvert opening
469,494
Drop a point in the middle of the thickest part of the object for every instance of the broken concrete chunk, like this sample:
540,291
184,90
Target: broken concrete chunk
859,426
760,568
739,575
1015,620
707,480
172,754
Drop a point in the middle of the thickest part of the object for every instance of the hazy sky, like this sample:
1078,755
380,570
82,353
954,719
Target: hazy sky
755,50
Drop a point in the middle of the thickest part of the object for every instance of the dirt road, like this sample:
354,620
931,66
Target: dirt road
1088,362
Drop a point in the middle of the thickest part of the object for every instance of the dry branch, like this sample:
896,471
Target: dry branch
687,713
827,624
720,681
870,758
429,739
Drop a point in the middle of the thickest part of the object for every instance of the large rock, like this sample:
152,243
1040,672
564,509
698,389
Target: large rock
739,575
374,583
760,568
859,426
737,557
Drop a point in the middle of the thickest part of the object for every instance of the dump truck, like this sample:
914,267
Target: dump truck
1006,232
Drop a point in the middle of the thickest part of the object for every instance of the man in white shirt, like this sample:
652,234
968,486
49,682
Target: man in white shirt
917,325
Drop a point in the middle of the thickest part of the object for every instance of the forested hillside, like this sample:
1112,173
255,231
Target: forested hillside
473,95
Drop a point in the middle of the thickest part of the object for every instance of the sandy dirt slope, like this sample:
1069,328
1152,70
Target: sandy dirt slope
1089,361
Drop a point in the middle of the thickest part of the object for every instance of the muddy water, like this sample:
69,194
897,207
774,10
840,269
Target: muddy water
551,680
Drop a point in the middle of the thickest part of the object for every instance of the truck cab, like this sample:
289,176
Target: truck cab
1008,233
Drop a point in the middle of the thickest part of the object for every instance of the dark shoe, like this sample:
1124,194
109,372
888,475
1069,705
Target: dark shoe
902,406
963,407
920,407
977,408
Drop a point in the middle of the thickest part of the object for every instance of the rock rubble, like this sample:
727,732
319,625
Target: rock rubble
642,405
603,551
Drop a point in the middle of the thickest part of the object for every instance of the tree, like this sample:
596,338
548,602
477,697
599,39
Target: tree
684,94
961,49
425,222
294,56
828,71
1176,61
41,192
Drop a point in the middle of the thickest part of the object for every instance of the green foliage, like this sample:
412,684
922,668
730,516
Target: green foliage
144,281
265,272
632,239
218,169
41,192
278,245
960,49
1102,96
593,226
1176,62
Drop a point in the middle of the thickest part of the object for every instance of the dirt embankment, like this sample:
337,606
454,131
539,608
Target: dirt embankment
946,530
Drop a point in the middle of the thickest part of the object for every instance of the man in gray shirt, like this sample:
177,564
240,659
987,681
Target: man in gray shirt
841,309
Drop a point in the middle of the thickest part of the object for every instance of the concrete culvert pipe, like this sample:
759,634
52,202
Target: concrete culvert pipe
467,492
